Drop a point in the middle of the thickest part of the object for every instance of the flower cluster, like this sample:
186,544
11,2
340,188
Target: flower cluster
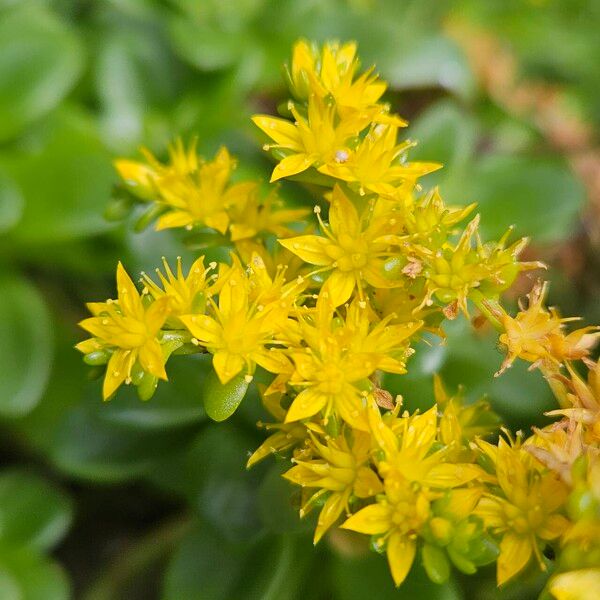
328,310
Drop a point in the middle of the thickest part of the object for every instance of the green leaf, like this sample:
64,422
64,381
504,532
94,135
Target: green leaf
175,403
40,61
33,513
369,577
25,575
436,564
11,203
540,196
221,401
208,567
66,176
25,346
447,134
204,567
276,505
470,358
89,448
431,61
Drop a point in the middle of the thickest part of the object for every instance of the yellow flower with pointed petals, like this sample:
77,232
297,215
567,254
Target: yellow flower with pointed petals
130,330
145,179
408,446
332,372
256,216
310,141
339,469
204,197
526,511
354,254
240,333
414,476
396,519
187,293
190,190
332,73
376,165
536,334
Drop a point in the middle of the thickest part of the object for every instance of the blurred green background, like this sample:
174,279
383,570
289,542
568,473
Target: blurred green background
149,500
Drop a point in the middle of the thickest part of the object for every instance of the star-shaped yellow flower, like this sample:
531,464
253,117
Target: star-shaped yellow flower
339,469
128,329
354,253
310,141
527,510
239,333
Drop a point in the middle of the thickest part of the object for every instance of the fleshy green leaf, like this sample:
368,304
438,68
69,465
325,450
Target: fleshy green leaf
25,575
221,401
33,513
65,178
436,564
40,61
25,346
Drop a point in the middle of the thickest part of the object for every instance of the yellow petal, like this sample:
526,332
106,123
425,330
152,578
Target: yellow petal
157,313
291,165
117,371
174,218
330,513
553,526
401,554
515,552
281,131
306,404
339,286
367,483
129,298
152,360
310,248
451,475
218,221
343,216
205,328
273,361
227,365
372,520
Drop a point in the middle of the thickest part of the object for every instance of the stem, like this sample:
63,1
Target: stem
142,554
486,306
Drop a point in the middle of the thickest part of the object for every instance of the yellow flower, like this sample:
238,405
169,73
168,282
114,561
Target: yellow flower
332,72
525,511
255,216
144,179
188,294
339,470
536,334
240,332
313,140
190,191
397,518
411,471
376,165
204,197
354,254
130,330
334,373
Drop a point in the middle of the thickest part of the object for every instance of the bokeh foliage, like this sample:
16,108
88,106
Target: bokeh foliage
83,81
